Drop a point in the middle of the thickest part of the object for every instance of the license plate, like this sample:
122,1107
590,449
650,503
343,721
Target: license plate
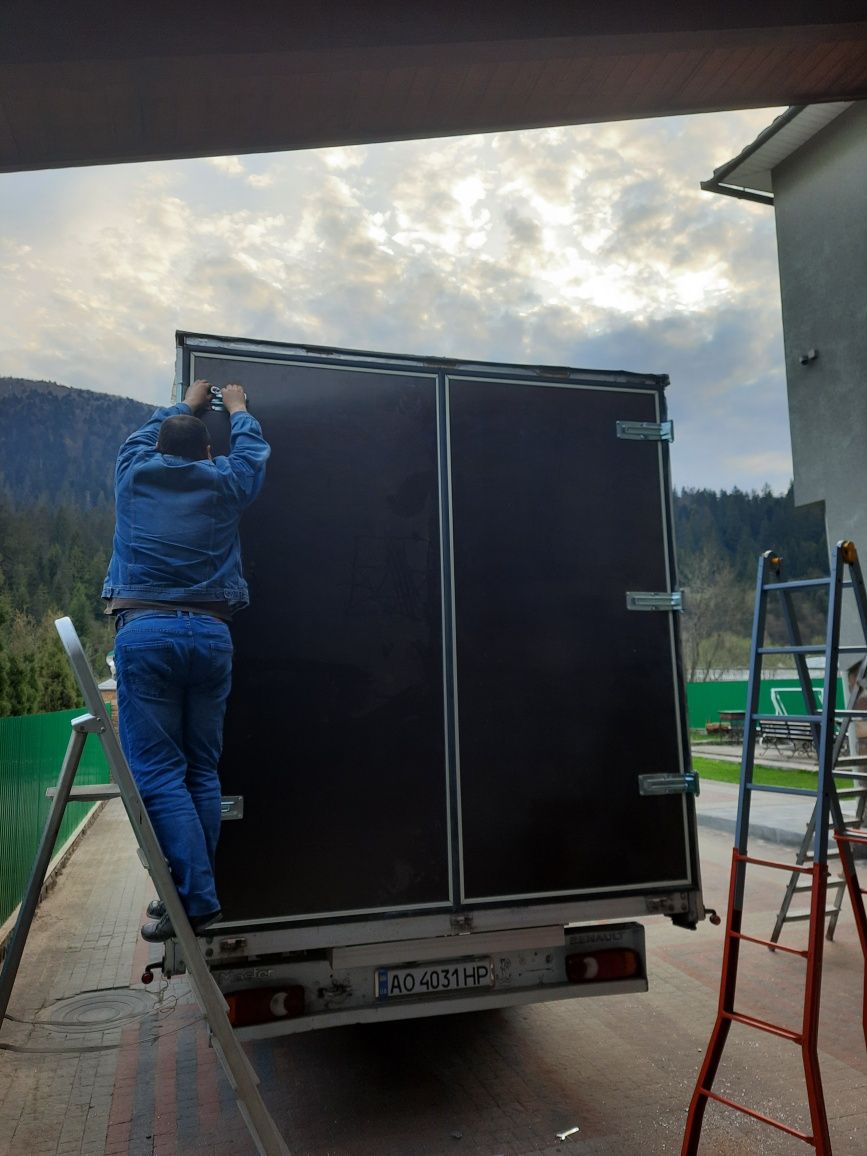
391,982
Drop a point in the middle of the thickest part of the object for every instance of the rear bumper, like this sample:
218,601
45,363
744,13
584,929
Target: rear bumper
357,984
436,1006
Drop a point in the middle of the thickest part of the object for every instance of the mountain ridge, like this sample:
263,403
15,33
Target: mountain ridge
58,443
58,447
15,386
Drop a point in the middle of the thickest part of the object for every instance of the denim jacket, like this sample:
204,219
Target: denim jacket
176,529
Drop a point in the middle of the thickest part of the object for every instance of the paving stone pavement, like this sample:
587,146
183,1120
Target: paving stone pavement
499,1082
84,938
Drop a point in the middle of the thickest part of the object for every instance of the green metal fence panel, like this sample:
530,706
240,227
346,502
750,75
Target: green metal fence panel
31,752
705,700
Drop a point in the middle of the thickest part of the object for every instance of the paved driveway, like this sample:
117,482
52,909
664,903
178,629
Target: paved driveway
622,1070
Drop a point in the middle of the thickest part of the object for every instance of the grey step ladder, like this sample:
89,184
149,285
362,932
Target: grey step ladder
828,815
854,822
96,722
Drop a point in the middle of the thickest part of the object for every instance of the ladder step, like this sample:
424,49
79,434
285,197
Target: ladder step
852,761
791,650
802,916
798,584
769,943
831,883
763,1025
90,794
857,837
772,863
780,790
806,1137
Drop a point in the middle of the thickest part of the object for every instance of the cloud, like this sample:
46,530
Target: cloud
589,246
230,165
770,459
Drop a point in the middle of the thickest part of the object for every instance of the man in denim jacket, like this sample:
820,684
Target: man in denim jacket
174,581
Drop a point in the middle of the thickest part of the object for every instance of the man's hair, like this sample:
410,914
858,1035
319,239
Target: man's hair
184,436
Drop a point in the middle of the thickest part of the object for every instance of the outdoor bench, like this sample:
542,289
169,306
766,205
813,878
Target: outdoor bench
787,737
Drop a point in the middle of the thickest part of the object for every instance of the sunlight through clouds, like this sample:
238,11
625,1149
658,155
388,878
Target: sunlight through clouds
591,246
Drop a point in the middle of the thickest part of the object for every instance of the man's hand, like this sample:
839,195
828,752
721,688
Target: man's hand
198,395
234,398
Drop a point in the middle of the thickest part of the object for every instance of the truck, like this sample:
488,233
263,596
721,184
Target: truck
456,768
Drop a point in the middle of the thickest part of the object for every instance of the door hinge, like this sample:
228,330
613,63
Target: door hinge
664,904
232,807
646,431
685,784
654,600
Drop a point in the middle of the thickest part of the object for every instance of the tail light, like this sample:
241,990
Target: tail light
261,1005
599,966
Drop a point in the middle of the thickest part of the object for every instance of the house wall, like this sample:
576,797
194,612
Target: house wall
820,197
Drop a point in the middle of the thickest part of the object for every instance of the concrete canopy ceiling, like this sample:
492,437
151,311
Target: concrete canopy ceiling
97,82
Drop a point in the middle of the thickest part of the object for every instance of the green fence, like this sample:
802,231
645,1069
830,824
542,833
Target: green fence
32,750
706,699
31,753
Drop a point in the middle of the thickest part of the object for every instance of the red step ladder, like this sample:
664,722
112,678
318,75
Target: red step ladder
828,814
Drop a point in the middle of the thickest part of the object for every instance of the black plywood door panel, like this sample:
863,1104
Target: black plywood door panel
563,695
335,729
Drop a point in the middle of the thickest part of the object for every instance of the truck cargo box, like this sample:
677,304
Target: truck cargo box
461,658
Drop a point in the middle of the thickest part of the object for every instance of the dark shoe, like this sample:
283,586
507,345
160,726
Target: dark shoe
156,909
162,929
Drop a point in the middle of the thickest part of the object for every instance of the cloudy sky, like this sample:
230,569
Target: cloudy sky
590,246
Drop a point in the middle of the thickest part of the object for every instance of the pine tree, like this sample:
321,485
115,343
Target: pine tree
81,612
4,683
20,691
5,616
56,684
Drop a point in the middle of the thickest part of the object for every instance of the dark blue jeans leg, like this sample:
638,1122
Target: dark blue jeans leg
204,712
155,656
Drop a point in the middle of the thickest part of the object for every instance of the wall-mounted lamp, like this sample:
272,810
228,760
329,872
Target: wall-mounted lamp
809,356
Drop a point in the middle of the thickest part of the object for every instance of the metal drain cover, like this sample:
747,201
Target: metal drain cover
98,1010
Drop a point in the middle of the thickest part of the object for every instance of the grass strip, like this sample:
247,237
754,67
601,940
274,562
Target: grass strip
721,771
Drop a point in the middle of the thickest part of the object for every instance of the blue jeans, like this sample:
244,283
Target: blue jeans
174,671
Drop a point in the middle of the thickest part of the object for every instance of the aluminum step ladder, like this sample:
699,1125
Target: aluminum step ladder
237,1067
828,814
837,886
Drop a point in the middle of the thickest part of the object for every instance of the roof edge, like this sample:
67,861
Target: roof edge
779,122
739,191
749,175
